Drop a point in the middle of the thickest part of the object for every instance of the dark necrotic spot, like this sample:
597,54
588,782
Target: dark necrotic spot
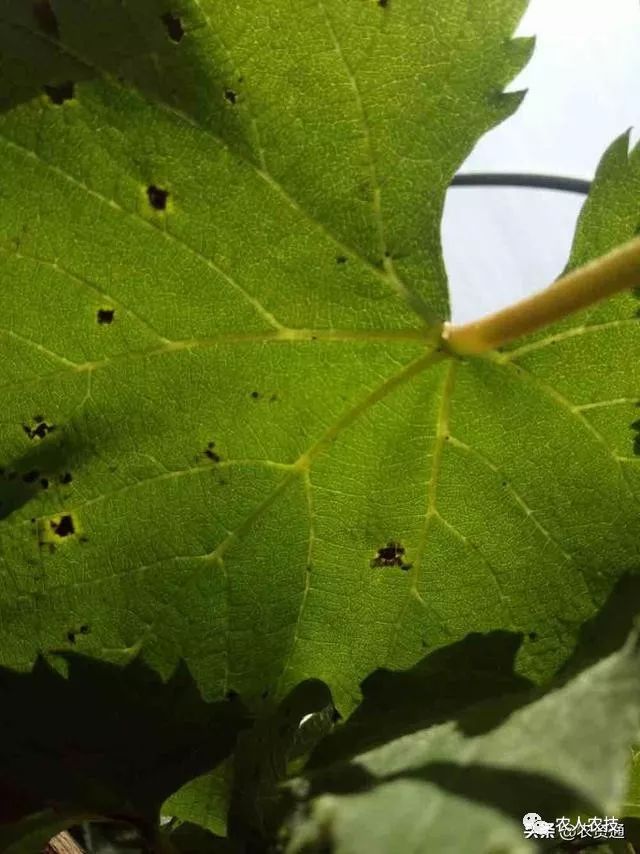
45,18
67,477
173,26
71,636
60,93
390,555
230,96
44,483
85,629
40,430
383,4
255,395
31,476
635,425
341,259
157,197
105,315
533,636
211,454
64,527
231,694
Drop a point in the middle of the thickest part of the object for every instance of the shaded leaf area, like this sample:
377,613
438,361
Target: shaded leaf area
261,763
104,740
439,688
443,789
188,838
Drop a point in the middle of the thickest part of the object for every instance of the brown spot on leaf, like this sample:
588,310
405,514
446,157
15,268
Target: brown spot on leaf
173,26
390,555
64,527
60,92
40,430
157,197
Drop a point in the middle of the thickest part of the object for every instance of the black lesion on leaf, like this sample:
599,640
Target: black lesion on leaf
64,526
635,426
173,26
40,429
157,197
105,315
211,454
66,478
255,395
60,92
45,18
44,482
341,259
384,4
72,634
31,476
533,636
390,555
230,96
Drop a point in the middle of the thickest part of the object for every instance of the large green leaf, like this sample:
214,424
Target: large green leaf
441,789
223,436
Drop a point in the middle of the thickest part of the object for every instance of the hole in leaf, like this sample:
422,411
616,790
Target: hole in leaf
157,197
64,527
60,93
45,18
173,26
230,96
105,315
40,430
391,555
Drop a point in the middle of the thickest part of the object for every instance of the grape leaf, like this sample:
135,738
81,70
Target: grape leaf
440,789
225,437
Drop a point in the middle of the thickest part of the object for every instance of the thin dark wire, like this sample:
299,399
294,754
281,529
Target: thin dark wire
516,179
